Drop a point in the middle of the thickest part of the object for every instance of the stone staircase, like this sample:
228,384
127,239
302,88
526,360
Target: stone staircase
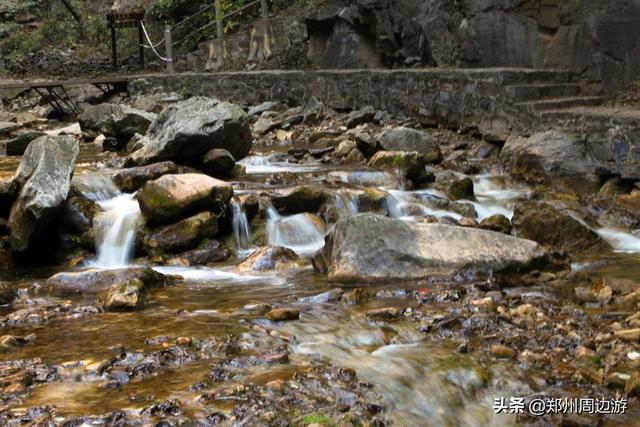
547,92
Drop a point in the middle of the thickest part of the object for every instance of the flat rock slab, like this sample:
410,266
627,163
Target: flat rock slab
370,247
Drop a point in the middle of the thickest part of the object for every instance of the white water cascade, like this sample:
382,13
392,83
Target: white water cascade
115,228
241,229
296,232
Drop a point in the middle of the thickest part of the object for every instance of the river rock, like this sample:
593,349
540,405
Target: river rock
44,178
283,314
188,129
552,158
184,234
126,296
8,193
620,211
94,280
7,293
172,197
410,140
498,223
411,164
361,116
132,179
544,224
18,145
304,198
209,252
369,247
114,121
269,258
461,189
218,162
78,212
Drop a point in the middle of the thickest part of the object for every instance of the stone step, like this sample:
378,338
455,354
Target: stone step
561,103
534,92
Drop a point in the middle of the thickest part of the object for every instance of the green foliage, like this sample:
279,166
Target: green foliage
316,418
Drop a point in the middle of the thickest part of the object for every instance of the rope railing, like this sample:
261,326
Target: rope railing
151,46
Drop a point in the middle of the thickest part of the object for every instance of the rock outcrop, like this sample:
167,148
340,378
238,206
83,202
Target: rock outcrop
186,130
44,179
370,247
93,281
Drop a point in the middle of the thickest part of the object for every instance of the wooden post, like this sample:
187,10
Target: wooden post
219,45
169,49
140,44
114,47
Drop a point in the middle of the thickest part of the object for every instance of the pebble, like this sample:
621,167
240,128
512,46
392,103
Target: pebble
282,314
502,351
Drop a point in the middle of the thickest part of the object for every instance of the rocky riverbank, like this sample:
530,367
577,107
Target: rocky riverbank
197,260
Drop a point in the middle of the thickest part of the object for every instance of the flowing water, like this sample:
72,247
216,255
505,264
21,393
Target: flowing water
424,383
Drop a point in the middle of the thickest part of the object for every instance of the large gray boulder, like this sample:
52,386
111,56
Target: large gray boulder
188,129
172,197
552,158
371,247
114,121
44,179
406,139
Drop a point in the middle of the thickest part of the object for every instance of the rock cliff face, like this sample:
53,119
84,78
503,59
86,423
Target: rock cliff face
593,37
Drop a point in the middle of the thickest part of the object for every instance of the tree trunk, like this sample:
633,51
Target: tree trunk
78,18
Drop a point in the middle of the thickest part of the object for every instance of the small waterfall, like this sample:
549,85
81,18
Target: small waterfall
241,228
403,205
259,165
346,204
296,232
115,228
116,231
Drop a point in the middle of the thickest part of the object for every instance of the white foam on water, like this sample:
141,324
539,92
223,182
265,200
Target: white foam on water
241,229
116,231
206,274
296,232
621,241
260,165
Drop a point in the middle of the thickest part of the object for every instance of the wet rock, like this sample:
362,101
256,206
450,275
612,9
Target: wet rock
384,313
188,129
79,212
8,193
184,234
7,293
218,162
345,147
366,144
269,259
207,253
371,247
304,198
332,295
359,117
620,211
114,121
498,223
265,106
127,296
18,145
44,178
461,189
10,342
41,314
172,197
552,158
132,179
92,281
283,314
411,164
410,140
544,224
354,156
